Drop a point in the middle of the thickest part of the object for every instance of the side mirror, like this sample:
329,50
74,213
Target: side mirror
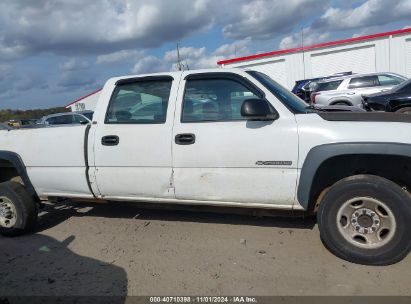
258,109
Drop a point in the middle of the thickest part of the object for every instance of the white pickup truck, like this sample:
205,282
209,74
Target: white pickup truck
231,138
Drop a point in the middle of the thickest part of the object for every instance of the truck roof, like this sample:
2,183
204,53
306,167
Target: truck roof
178,73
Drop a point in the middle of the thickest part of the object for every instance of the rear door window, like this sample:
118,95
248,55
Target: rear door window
363,82
327,86
142,102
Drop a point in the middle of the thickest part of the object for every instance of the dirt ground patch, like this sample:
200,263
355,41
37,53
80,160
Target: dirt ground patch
122,249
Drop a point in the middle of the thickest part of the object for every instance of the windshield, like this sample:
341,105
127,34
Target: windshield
292,102
401,86
89,115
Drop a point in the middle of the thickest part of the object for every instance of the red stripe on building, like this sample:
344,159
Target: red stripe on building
315,46
81,98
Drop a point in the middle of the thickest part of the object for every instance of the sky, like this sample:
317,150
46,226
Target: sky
55,51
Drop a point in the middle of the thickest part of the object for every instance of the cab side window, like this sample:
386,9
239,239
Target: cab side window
214,100
142,102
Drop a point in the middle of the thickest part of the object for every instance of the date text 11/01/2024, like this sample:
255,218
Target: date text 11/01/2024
203,299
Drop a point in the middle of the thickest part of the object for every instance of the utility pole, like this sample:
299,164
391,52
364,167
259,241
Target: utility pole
179,64
302,46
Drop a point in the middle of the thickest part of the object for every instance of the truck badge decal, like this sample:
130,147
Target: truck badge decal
274,163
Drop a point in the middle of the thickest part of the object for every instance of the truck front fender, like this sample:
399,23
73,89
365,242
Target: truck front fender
319,154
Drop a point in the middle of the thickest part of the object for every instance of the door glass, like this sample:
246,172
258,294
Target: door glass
78,119
327,86
363,82
214,100
143,102
386,80
60,120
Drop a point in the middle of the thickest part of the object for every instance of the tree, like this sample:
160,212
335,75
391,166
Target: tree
8,114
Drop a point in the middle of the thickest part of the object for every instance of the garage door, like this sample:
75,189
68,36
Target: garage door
358,60
408,50
274,69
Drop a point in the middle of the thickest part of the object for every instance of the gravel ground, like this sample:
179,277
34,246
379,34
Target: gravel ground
123,249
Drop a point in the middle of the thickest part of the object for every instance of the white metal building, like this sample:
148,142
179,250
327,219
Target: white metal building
87,102
383,52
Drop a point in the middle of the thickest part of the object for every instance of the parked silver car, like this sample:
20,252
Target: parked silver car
348,90
68,118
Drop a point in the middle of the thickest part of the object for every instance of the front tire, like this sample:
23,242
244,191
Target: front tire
365,219
18,211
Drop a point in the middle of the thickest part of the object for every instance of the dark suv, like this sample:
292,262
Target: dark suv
398,99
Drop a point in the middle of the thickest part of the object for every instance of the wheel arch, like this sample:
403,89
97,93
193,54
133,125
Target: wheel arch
341,100
320,155
397,107
12,160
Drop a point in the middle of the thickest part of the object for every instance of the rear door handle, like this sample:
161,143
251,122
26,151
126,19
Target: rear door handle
110,140
185,139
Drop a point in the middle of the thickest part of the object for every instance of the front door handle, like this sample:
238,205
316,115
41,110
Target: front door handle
110,140
185,139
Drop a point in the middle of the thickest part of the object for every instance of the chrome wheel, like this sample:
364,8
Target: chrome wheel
366,222
8,213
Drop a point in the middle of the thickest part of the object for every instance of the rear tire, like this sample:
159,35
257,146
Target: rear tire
366,219
18,211
406,110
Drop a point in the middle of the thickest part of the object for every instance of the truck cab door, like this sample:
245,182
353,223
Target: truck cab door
221,157
132,142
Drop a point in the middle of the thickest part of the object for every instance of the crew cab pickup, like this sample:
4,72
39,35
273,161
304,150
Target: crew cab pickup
232,138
